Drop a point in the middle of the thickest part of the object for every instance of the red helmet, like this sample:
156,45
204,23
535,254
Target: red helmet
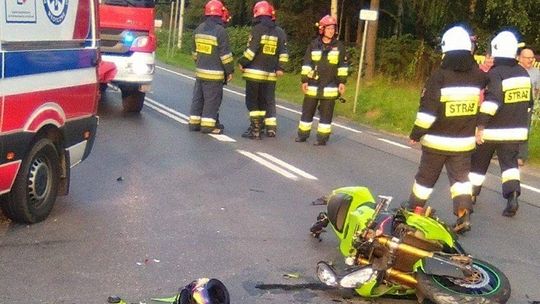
263,8
226,17
214,8
326,21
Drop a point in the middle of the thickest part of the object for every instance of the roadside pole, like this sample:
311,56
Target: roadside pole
170,30
367,15
181,23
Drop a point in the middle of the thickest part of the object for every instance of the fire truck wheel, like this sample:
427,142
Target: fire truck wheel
36,185
132,100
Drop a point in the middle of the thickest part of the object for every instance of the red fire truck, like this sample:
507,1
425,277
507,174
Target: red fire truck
48,100
128,40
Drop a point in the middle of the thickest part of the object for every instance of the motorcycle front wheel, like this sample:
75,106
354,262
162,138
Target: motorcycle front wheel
487,285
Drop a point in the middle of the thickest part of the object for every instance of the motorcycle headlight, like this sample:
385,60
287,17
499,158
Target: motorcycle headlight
326,274
357,277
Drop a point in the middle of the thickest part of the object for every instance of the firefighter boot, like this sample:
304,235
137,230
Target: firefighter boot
254,130
321,140
194,127
463,223
271,131
511,205
302,136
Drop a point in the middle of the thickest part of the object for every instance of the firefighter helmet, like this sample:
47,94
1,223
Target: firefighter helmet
326,21
456,38
505,44
226,17
263,8
214,8
204,291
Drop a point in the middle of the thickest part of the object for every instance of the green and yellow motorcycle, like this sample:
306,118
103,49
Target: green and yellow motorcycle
402,252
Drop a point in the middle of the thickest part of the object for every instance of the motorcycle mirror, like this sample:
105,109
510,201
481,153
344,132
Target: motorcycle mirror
326,274
357,277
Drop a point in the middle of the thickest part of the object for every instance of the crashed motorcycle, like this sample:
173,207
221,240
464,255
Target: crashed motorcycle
400,252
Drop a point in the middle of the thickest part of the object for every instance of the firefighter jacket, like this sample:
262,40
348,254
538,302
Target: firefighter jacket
503,114
446,119
266,51
325,67
213,58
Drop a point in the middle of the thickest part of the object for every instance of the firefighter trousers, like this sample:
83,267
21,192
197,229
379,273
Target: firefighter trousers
431,165
326,112
207,96
261,102
507,154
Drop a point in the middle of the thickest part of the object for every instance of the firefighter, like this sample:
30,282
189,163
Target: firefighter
502,122
261,64
214,68
445,125
324,73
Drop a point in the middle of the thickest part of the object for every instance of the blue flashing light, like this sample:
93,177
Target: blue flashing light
128,38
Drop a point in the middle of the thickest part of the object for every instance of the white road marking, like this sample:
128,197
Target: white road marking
164,112
287,166
394,143
530,188
222,137
268,164
170,110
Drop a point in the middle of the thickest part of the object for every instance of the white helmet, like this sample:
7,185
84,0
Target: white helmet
505,45
456,38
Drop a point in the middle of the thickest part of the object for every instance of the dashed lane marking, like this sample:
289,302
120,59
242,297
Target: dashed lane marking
268,164
287,166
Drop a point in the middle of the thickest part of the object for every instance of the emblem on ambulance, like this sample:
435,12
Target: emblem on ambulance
56,10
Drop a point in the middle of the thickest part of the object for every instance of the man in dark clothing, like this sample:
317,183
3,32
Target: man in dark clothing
261,64
445,125
324,74
214,67
503,122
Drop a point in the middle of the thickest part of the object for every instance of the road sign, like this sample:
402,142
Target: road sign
368,15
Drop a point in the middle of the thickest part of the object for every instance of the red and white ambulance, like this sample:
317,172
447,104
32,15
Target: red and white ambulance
48,100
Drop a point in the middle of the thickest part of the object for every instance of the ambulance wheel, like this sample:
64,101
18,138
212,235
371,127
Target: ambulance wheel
36,186
132,100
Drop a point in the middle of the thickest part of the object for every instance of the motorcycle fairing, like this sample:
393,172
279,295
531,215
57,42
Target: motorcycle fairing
363,204
432,229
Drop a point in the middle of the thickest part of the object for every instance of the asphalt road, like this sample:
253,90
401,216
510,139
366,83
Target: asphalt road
156,206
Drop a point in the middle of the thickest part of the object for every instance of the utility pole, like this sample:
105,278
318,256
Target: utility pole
333,8
181,23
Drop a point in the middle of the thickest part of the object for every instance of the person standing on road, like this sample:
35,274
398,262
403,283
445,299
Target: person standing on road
502,122
526,60
214,68
261,64
324,74
445,125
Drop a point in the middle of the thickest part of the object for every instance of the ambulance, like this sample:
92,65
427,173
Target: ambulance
48,100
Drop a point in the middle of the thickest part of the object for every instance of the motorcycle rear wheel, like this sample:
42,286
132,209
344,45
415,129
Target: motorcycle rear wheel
488,285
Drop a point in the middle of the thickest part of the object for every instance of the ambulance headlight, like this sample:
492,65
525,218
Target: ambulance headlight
141,68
